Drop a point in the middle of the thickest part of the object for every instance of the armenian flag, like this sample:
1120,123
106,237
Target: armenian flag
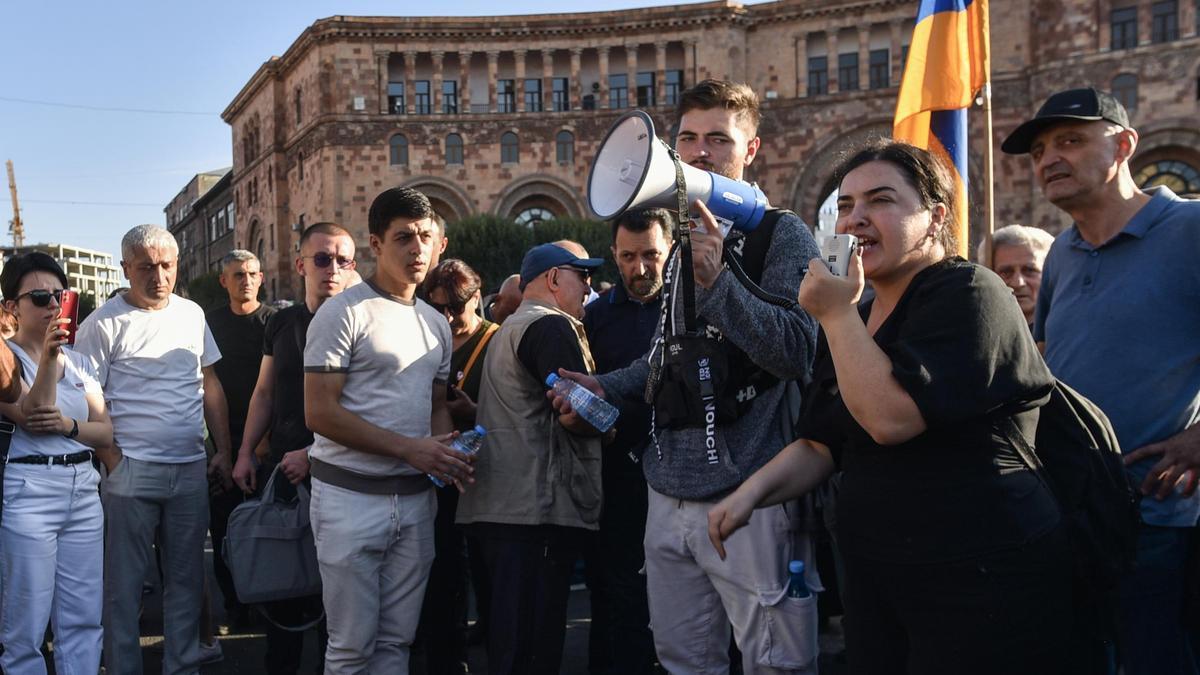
949,60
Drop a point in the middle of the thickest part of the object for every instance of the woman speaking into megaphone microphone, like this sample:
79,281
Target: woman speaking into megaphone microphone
955,560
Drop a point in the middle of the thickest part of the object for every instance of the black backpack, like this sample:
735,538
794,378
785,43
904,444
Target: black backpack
1077,454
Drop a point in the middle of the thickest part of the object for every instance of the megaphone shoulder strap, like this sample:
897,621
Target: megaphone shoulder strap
683,236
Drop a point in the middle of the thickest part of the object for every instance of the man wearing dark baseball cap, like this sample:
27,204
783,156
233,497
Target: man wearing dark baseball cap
1080,105
537,483
1117,316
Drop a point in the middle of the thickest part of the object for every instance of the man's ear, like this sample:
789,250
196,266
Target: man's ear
1127,140
752,149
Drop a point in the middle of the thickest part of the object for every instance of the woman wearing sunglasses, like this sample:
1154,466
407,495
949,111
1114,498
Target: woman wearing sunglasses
452,288
51,534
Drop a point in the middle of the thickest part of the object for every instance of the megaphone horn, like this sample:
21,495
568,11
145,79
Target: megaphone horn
634,170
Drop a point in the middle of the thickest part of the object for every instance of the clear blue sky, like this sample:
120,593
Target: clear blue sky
86,176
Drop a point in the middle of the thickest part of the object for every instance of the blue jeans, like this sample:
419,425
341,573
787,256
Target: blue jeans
1152,637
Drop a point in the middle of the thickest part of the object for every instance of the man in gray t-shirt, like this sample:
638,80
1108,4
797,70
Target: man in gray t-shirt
376,364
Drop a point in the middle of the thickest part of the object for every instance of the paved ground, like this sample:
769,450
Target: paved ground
244,652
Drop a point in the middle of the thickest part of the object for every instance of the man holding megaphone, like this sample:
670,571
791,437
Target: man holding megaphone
730,339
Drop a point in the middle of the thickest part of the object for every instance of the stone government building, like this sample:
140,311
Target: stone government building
503,114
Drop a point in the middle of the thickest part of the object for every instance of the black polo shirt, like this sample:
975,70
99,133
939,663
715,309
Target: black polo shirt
620,330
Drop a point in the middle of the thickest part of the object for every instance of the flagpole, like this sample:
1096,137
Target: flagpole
988,176
989,167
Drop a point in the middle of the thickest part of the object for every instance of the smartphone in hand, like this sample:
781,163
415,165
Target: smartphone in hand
70,311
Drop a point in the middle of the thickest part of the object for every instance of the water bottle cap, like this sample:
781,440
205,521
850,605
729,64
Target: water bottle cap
551,379
796,567
480,430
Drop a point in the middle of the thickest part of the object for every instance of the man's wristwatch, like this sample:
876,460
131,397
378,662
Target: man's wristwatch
74,429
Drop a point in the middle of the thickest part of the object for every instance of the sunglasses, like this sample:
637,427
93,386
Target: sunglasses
324,260
583,274
41,297
454,306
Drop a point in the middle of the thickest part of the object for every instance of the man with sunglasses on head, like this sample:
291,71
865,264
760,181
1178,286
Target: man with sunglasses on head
375,370
537,487
154,357
326,263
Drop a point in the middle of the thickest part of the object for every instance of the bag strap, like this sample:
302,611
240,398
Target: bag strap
487,335
302,494
291,629
683,235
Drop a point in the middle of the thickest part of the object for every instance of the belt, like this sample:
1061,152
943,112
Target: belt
52,460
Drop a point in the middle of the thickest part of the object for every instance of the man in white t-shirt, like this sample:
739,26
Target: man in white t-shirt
376,365
154,358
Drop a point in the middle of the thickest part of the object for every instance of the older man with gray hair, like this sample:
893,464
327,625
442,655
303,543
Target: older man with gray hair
238,327
1018,253
154,358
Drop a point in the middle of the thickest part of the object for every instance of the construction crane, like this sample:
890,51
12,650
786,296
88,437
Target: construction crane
14,226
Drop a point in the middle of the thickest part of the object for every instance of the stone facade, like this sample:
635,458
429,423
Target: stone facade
202,218
466,109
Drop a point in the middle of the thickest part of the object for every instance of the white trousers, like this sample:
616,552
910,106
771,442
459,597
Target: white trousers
51,559
375,552
695,596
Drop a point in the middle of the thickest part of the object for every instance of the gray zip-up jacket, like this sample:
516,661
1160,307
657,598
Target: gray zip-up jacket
779,340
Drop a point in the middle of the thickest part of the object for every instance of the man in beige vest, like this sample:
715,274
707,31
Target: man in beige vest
537,483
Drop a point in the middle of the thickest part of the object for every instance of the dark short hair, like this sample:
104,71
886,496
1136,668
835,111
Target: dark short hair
456,278
397,202
18,266
922,170
331,229
640,220
710,94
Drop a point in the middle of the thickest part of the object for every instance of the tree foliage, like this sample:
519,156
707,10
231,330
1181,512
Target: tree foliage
494,246
206,291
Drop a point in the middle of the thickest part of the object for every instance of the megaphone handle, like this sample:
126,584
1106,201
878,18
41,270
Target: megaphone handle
683,235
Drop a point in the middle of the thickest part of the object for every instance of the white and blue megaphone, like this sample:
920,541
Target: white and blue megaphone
634,170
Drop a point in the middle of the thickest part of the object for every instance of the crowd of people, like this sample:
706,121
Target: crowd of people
753,408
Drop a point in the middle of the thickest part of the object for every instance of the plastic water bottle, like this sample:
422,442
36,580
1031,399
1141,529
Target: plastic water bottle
467,442
598,412
796,586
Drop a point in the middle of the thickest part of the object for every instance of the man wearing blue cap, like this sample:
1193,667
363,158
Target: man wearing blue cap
537,483
1118,313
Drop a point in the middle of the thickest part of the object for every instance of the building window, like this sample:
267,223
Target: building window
396,97
1125,89
818,75
506,101
424,100
1181,178
881,71
1164,21
645,90
674,84
564,147
533,95
510,148
299,108
398,146
229,211
1124,28
618,91
532,216
848,72
300,166
454,149
450,97
561,94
